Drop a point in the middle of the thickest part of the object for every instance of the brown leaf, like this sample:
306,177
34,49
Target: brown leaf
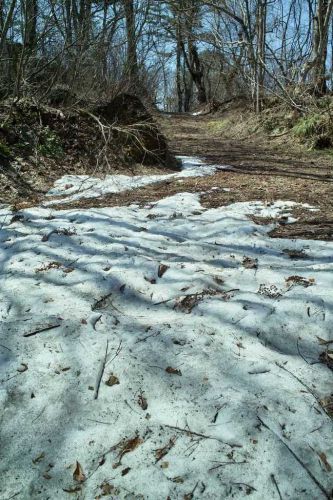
125,471
323,341
76,489
40,457
161,452
326,357
324,460
173,371
78,474
127,447
162,268
112,380
106,488
177,479
69,270
142,401
250,263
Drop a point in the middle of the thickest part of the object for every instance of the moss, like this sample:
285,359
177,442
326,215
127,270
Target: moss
316,130
308,126
4,150
49,144
217,126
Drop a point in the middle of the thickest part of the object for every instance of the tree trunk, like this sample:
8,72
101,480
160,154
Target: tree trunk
132,68
315,70
261,53
30,25
179,71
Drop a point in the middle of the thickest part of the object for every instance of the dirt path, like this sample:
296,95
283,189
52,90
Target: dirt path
261,170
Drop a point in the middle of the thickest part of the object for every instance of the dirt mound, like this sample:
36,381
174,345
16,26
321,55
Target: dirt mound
39,144
138,132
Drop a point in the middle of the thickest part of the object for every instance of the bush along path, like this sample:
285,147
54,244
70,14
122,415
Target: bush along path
163,349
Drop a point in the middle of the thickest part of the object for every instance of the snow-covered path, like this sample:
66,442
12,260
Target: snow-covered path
211,386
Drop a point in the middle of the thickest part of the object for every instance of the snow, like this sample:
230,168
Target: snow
74,187
246,346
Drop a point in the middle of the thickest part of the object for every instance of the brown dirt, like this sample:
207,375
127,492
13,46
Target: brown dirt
263,169
40,144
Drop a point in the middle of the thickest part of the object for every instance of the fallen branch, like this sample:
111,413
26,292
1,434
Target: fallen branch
276,486
222,464
101,371
307,470
204,436
42,329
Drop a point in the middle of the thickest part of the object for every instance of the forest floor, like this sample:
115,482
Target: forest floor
157,343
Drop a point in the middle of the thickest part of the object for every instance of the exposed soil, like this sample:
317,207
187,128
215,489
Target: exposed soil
40,144
261,170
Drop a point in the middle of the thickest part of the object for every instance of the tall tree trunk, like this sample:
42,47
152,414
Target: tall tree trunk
315,70
261,53
132,68
179,70
320,45
30,25
195,69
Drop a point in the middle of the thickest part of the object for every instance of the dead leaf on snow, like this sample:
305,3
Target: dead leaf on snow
325,462
78,474
178,479
142,401
161,452
39,458
173,371
69,270
76,489
250,263
107,488
124,472
127,447
299,280
326,357
323,341
295,254
112,380
162,269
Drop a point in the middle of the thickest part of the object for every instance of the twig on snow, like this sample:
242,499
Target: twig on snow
222,464
204,436
41,329
307,470
5,347
155,334
300,381
118,351
101,371
276,486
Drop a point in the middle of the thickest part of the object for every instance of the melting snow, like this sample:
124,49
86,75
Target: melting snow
74,187
213,380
